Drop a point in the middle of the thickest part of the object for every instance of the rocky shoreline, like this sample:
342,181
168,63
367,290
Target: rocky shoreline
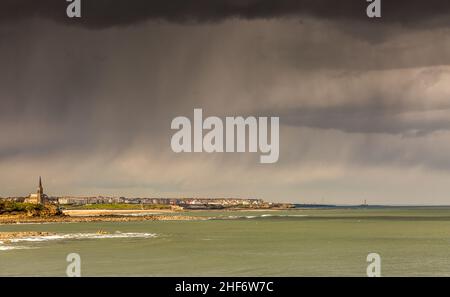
6,236
19,219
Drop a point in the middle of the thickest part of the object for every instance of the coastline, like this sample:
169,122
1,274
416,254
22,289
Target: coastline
15,219
108,215
7,236
106,212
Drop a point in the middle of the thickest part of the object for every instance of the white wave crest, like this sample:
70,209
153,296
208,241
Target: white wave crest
262,216
9,244
82,236
9,247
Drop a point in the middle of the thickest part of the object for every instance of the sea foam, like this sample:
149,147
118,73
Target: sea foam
5,246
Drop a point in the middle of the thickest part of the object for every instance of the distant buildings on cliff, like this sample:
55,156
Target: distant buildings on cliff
191,203
184,202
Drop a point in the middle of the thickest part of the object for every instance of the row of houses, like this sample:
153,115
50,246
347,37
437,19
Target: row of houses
165,201
221,201
112,200
184,202
40,198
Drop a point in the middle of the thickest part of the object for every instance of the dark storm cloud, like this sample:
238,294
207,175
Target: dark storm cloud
106,13
370,119
92,108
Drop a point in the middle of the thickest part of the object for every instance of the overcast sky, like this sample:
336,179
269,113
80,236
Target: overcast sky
364,104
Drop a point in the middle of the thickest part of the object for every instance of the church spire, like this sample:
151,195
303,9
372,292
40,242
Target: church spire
40,192
40,188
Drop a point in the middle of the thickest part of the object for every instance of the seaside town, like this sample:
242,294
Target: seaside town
175,203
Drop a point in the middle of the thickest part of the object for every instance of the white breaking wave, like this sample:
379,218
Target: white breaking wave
8,248
70,236
262,216
289,215
82,236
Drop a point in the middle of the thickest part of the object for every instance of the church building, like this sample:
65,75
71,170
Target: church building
39,197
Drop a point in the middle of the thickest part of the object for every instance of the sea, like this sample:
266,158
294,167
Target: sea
411,241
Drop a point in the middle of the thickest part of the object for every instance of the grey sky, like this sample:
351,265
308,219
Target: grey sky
364,107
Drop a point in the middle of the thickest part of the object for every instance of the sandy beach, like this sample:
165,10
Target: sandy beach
118,212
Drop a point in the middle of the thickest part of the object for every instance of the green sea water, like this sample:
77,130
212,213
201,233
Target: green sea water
326,242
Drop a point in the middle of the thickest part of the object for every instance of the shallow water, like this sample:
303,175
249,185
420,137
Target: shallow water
334,242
